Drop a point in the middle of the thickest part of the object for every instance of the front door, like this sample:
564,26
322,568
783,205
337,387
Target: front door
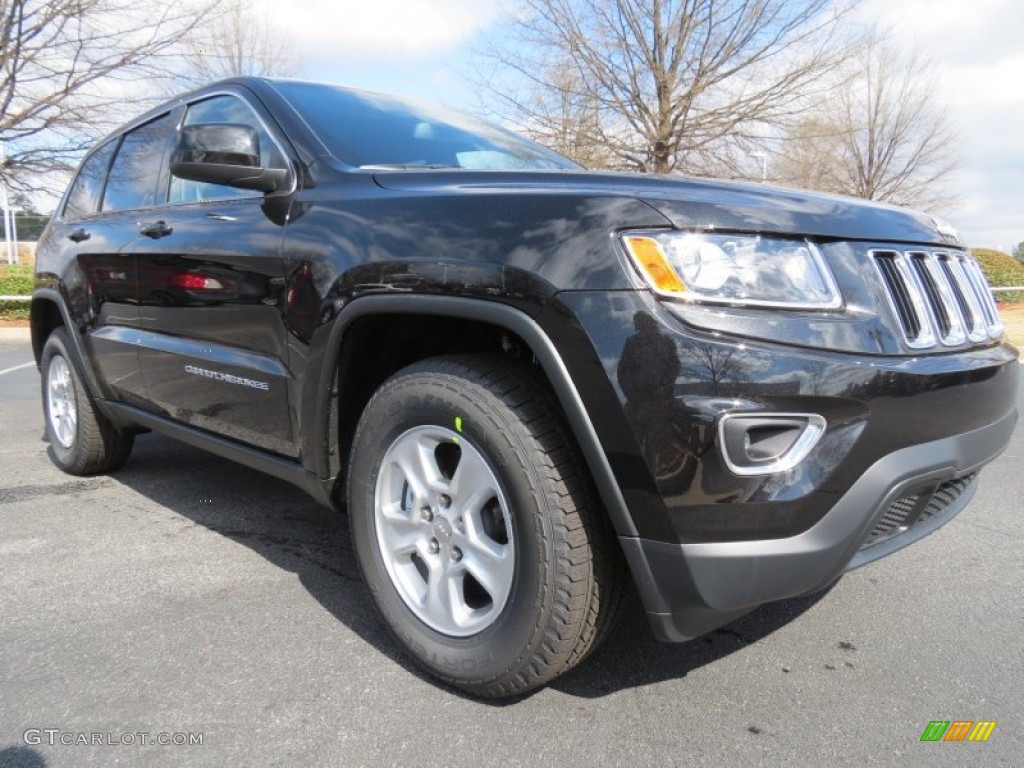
210,281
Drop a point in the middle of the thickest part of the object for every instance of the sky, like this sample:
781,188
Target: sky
421,49
978,61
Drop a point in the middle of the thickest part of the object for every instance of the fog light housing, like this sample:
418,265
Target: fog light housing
767,443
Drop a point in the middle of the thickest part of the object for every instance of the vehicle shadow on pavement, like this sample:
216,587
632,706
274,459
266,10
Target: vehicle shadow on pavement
631,657
291,531
269,516
21,757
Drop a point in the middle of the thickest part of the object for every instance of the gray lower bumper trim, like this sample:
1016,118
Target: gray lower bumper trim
691,588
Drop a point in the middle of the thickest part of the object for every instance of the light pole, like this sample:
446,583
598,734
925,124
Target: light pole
8,218
14,231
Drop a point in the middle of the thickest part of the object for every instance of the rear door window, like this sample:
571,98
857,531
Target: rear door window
84,197
135,174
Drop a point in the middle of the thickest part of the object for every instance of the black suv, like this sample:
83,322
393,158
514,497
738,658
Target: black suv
523,380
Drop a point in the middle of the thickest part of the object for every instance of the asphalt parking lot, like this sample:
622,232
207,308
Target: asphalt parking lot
186,595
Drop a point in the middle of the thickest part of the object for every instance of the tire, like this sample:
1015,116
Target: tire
533,570
82,440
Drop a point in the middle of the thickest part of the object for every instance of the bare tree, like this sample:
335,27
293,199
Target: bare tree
240,41
568,120
69,68
667,84
713,365
883,136
806,156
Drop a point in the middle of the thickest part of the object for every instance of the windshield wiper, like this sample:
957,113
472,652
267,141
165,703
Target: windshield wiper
406,167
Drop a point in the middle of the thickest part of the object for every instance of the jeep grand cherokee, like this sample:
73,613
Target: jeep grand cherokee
525,382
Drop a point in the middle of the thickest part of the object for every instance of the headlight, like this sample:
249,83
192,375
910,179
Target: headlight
734,269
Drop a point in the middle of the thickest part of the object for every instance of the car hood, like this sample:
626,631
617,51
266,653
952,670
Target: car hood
700,203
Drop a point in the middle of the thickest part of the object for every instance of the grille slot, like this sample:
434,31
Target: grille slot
964,295
945,495
983,294
893,519
899,294
908,511
938,297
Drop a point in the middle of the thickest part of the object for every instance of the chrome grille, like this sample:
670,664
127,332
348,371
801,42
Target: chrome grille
938,297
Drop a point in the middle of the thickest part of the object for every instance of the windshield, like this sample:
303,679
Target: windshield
370,130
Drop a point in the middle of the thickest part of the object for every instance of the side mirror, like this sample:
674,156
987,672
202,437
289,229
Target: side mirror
224,153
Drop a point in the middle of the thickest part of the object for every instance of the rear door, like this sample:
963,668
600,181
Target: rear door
213,344
96,229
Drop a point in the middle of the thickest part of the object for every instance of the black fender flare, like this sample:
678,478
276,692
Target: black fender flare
54,296
507,318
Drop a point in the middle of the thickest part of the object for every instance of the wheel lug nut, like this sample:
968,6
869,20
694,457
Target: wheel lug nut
444,500
433,546
427,514
456,554
460,525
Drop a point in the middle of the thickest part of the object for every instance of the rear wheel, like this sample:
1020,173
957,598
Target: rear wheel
476,527
82,440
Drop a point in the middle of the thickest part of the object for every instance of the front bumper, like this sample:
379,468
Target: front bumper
690,589
706,545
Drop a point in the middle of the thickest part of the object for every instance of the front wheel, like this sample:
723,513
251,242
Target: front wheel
476,527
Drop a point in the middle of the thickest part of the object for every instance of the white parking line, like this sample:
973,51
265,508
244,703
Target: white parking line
16,368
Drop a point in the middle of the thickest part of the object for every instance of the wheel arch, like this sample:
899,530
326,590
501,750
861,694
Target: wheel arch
46,312
475,318
49,311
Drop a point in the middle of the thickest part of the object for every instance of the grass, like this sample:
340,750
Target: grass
15,280
13,315
1013,320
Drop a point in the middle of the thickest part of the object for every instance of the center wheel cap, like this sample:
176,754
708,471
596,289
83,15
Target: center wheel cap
442,529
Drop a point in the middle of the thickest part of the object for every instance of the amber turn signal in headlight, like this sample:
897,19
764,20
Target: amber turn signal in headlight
651,260
733,269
